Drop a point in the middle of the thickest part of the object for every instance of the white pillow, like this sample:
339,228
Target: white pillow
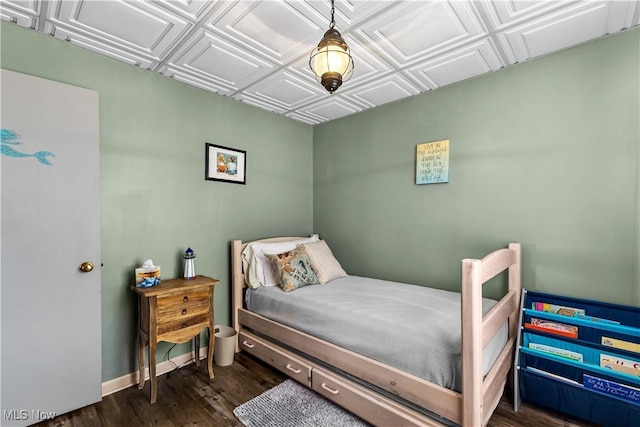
265,269
325,265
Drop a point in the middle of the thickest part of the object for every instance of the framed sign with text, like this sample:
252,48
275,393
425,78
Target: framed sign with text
432,162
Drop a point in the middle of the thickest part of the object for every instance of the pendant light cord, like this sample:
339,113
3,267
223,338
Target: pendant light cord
332,24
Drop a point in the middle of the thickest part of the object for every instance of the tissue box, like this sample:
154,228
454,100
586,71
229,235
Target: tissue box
147,277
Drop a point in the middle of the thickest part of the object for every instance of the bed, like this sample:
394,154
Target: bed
379,387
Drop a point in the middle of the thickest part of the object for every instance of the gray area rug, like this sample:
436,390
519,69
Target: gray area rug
291,404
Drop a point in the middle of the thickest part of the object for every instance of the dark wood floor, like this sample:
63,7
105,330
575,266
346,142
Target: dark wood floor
187,397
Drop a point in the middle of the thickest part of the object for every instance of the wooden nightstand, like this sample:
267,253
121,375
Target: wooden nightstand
176,311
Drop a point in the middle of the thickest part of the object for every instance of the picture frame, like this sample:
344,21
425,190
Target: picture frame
432,162
225,164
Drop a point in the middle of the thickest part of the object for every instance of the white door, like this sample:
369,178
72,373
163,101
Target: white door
50,225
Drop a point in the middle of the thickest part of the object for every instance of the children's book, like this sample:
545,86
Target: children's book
595,319
557,351
620,364
624,345
623,391
557,309
569,331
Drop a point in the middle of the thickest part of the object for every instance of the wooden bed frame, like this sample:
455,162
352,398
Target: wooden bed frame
473,407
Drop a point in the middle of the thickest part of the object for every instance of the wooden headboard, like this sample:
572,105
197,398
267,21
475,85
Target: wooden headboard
237,275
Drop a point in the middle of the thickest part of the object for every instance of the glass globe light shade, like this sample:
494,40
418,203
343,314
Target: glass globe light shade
331,61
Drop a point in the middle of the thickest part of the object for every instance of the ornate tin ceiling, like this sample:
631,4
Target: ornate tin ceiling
257,51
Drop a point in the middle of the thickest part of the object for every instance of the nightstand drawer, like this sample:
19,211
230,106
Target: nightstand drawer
182,335
283,360
182,311
184,297
188,322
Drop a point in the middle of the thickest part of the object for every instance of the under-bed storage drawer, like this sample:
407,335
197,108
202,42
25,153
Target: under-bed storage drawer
371,407
279,358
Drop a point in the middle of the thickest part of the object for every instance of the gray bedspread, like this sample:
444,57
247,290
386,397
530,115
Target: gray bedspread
412,328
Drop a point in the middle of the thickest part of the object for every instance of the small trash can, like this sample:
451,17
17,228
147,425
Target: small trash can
224,346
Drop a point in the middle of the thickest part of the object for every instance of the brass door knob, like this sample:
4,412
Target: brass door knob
86,267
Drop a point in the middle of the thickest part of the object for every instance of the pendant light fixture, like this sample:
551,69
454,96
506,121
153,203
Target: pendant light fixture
331,60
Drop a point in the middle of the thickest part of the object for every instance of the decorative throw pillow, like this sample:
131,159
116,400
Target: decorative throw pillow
294,269
325,265
266,274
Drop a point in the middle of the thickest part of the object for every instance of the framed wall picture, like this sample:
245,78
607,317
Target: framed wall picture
225,164
432,162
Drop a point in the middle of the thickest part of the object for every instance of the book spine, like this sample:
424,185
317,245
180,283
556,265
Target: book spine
595,319
557,351
612,388
558,309
554,325
551,331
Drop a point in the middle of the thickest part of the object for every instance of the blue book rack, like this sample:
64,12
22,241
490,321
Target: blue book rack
590,376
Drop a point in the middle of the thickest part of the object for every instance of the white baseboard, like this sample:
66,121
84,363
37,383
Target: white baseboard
163,367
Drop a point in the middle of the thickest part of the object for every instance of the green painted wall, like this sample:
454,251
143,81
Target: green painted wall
155,201
545,153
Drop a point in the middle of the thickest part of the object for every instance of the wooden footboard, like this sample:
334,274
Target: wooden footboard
479,397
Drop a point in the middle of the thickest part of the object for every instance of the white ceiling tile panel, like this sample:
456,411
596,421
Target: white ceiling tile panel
388,89
332,107
190,79
211,57
519,8
286,90
366,10
257,102
458,68
506,13
29,7
138,26
467,62
190,9
275,29
366,66
300,67
621,15
558,30
12,12
344,11
415,30
305,118
257,51
98,46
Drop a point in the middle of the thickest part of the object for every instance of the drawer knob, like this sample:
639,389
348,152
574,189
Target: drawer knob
329,389
247,344
184,311
292,369
186,298
184,325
